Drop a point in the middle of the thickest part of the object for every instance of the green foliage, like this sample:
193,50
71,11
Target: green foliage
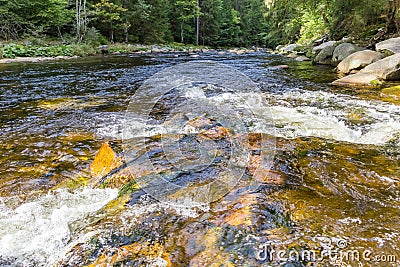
221,22
18,50
312,27
183,13
111,14
305,20
34,16
93,37
83,49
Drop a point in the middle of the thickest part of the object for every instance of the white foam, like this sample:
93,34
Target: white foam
296,113
37,233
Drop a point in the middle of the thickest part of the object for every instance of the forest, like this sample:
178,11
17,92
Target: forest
214,23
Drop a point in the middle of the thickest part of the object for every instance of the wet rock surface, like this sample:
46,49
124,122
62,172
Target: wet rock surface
387,68
358,79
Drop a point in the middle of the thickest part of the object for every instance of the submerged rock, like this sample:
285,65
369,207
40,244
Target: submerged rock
108,168
358,60
105,161
342,51
387,68
280,67
391,94
391,45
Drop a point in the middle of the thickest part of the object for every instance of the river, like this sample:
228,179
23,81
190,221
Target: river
333,187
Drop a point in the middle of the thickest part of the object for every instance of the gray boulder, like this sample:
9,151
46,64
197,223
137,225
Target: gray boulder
342,51
318,48
359,79
391,45
387,68
358,60
325,55
289,48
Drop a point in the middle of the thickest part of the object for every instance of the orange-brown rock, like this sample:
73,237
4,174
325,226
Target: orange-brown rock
262,173
200,122
242,215
152,253
216,133
105,160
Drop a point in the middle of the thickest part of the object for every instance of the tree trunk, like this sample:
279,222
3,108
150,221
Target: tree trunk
197,24
78,26
111,33
182,33
391,18
125,23
59,33
84,18
81,19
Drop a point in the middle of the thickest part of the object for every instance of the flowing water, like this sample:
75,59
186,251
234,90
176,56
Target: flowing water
334,184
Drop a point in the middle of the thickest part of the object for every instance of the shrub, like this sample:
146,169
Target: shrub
19,50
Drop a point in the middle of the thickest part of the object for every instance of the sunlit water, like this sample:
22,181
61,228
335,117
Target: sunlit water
337,152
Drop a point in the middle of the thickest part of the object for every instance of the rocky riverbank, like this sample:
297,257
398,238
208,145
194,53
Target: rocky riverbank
115,49
34,59
357,65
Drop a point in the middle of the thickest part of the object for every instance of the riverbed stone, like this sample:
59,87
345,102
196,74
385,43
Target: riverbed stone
358,60
342,51
318,48
392,46
359,79
387,68
325,56
280,67
302,58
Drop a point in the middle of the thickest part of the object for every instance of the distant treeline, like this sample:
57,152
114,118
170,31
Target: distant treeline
202,22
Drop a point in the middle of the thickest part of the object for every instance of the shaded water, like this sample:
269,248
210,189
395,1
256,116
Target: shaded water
335,175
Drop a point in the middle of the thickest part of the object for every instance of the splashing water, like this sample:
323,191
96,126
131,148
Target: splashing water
37,233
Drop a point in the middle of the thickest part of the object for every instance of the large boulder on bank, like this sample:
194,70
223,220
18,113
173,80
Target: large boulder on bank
387,68
342,51
359,79
289,48
358,60
318,48
325,55
392,46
